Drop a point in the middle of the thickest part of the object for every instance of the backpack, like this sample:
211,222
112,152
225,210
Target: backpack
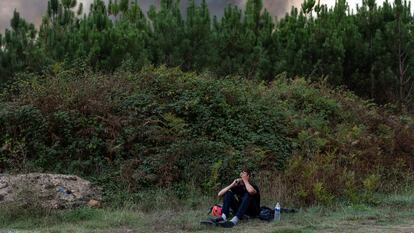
266,214
215,210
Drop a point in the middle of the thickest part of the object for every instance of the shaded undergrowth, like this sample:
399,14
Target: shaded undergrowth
189,134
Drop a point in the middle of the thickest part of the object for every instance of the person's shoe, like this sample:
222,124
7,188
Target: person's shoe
212,221
208,223
227,224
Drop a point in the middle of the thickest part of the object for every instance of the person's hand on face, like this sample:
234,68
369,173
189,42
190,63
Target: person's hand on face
237,182
244,176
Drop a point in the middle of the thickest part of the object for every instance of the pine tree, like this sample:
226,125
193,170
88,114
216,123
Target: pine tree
258,29
198,49
19,51
123,5
371,51
167,33
404,52
231,42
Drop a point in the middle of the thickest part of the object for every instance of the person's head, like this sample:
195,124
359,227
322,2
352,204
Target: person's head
245,170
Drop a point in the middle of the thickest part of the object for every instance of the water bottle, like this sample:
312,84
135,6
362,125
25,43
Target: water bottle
277,212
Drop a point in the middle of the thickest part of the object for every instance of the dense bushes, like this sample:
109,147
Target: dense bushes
165,128
345,146
369,48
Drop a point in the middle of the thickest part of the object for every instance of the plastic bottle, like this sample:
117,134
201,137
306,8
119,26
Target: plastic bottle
277,212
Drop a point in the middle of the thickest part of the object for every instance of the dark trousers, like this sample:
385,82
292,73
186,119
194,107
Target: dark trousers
247,205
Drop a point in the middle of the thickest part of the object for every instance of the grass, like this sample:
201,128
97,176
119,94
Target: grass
77,220
393,214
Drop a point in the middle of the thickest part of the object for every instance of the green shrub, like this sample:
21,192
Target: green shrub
164,128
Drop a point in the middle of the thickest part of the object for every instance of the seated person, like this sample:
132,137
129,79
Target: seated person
242,197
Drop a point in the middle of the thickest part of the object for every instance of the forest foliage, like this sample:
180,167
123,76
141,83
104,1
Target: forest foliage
369,50
81,95
171,129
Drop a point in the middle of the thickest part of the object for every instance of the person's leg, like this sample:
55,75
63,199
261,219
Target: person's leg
244,205
229,201
254,208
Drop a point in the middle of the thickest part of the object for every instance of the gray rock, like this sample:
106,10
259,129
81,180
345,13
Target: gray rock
49,191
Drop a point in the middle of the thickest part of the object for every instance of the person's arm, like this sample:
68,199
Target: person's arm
250,189
223,191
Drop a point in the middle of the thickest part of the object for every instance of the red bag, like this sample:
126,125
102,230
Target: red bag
215,210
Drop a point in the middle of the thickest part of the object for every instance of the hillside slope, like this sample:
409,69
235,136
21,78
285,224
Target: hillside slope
165,128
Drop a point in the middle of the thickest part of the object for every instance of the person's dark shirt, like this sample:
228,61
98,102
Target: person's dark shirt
240,190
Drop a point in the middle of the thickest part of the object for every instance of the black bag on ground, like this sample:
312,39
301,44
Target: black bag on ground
266,214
